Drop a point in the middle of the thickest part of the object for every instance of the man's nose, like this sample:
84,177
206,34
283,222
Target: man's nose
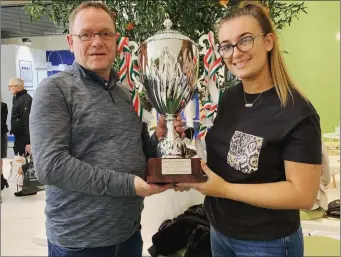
97,41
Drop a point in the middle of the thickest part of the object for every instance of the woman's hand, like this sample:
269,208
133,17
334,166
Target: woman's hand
214,186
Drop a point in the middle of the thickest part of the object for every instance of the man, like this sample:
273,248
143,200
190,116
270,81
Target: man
21,109
90,147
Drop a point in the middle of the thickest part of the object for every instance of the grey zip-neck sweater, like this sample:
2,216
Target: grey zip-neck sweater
88,146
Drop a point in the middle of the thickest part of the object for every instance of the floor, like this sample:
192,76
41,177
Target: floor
23,230
21,219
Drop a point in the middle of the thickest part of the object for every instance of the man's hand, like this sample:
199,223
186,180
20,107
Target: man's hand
144,189
28,149
161,129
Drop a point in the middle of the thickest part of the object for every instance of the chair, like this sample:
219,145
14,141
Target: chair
321,246
312,214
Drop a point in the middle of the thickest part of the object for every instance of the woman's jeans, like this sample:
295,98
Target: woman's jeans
290,246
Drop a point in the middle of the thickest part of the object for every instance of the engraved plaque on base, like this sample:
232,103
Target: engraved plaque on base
164,170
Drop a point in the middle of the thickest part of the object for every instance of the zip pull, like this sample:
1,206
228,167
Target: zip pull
112,98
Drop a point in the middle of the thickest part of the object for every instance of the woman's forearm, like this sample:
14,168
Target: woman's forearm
278,195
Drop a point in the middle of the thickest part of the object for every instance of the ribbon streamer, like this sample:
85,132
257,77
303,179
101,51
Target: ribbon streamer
128,71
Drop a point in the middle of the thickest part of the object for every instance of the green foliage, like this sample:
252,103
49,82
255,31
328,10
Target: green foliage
282,13
193,18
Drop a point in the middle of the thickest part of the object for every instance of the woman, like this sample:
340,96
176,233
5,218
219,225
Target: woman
264,150
4,131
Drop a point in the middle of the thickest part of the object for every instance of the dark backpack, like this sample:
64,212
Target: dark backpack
190,230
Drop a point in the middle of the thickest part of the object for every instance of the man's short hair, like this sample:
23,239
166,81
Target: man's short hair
17,82
89,4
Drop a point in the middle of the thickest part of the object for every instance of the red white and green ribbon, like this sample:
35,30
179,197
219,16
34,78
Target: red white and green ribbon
214,69
207,105
202,132
129,72
207,63
212,64
123,50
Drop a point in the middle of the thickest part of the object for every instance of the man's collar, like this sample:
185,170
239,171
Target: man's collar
95,77
21,92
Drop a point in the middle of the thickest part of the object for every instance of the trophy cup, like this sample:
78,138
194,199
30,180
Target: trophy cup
169,66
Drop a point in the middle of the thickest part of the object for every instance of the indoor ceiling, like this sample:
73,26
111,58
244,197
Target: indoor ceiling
15,23
10,2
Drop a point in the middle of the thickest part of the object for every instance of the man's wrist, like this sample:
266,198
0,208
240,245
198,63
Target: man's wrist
131,185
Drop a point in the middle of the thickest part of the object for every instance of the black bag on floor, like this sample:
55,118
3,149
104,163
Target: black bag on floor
31,183
190,230
199,244
334,209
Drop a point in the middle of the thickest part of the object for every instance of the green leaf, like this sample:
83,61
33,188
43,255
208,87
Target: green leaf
191,17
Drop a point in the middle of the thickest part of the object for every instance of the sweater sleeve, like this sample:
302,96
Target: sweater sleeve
50,128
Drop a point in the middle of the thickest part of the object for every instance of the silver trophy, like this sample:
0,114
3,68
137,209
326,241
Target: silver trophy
169,66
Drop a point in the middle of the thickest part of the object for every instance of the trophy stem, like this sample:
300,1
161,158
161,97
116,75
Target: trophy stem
170,127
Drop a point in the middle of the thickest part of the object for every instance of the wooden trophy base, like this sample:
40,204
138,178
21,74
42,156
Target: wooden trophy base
169,170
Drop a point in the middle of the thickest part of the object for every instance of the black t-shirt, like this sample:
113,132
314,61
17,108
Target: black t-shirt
249,146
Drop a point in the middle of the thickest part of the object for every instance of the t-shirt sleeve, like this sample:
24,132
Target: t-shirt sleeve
303,143
222,105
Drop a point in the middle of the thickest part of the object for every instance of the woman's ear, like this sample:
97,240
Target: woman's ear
269,41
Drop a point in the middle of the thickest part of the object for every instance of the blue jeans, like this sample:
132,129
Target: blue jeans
290,246
131,247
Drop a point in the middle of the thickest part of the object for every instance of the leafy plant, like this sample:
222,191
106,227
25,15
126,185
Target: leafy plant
140,19
191,17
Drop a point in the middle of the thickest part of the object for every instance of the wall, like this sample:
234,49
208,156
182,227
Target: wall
10,56
56,42
314,58
8,70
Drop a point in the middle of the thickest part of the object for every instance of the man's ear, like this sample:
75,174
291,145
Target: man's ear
70,42
117,36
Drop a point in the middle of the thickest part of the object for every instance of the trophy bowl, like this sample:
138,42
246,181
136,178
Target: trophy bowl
169,66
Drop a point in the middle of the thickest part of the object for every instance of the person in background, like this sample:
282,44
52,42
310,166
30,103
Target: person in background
90,147
264,149
4,140
21,109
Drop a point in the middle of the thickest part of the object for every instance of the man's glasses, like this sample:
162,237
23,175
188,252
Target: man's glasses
87,36
244,45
